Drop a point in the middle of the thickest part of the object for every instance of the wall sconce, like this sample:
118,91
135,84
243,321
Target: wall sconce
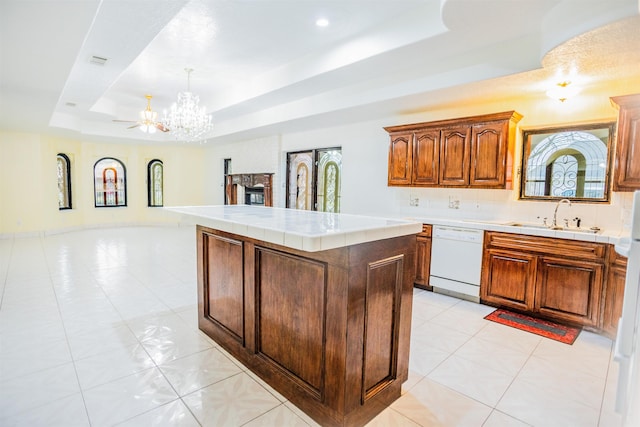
562,91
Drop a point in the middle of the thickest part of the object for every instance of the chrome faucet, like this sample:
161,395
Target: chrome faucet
554,224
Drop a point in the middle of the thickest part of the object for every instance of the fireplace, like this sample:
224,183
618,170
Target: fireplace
254,189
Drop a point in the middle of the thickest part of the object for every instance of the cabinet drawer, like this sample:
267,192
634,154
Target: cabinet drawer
547,246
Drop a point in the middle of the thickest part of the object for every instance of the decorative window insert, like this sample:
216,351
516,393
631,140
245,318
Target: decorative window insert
64,181
110,183
155,179
569,162
313,179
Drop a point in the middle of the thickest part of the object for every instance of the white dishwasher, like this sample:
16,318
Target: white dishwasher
456,261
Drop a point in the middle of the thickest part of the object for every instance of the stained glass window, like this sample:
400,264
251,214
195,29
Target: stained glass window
300,174
64,181
155,178
110,183
328,192
313,179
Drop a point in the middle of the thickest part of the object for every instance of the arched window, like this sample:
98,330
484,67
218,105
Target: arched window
155,177
110,183
64,181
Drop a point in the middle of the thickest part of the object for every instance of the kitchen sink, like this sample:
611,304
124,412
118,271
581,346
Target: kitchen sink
593,230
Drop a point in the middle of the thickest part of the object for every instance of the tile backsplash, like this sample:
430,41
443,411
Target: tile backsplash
503,205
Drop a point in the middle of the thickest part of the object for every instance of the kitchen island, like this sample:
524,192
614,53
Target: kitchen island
316,304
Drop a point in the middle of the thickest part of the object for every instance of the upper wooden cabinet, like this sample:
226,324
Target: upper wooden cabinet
627,160
400,155
454,156
467,152
425,166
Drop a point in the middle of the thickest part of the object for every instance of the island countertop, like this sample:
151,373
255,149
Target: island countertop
298,229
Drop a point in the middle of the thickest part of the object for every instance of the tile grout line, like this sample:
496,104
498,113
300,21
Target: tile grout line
6,273
75,370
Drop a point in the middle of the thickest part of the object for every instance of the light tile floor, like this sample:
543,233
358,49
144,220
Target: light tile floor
98,328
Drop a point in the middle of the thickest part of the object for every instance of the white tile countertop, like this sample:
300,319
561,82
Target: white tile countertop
602,236
304,230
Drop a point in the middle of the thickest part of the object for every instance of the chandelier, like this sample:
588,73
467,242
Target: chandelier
186,120
148,118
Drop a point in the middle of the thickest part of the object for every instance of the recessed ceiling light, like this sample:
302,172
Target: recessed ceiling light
322,22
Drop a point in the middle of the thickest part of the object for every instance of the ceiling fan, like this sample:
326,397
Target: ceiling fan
147,122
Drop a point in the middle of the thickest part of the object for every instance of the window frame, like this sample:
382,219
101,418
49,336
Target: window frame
124,183
67,174
610,126
151,181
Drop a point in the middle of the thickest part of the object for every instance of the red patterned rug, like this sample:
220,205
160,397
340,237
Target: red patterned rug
554,331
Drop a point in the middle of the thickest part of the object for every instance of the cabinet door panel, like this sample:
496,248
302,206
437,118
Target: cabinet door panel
423,261
400,158
613,295
488,154
628,152
508,279
569,290
454,156
426,148
289,315
224,284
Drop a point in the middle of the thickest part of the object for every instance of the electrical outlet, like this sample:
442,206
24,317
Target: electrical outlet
454,203
414,201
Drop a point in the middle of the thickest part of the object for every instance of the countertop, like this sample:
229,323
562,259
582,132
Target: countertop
297,229
603,236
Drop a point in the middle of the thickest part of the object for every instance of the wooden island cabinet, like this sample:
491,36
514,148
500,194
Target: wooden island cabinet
474,152
318,305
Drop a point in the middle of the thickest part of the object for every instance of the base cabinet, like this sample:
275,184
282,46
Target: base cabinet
552,278
423,258
613,294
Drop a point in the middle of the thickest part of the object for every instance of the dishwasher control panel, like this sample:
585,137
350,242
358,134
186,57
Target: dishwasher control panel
461,234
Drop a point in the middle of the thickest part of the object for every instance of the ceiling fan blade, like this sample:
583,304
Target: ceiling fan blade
162,127
126,121
134,126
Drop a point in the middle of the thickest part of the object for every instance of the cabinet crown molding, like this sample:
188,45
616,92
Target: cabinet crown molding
506,115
